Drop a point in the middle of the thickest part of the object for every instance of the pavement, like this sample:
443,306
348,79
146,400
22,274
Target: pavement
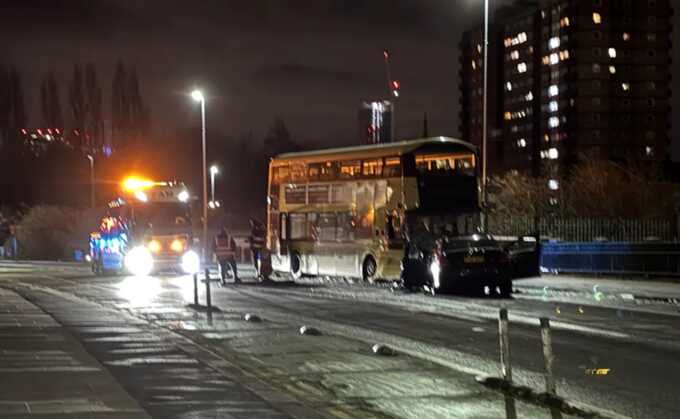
661,296
175,360
46,371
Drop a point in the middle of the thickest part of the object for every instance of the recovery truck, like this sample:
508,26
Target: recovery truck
146,230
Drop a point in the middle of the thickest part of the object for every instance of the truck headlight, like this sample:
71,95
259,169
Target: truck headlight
191,263
177,245
139,261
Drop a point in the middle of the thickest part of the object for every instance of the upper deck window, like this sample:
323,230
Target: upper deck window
372,167
281,174
445,163
392,167
350,169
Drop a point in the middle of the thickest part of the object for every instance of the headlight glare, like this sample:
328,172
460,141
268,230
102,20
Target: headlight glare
177,245
191,263
139,261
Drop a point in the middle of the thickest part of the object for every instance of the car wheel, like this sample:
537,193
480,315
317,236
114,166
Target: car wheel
369,269
295,266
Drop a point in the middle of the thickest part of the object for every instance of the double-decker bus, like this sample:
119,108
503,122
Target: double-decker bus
343,211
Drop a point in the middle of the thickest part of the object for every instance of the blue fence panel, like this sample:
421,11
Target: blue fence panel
611,257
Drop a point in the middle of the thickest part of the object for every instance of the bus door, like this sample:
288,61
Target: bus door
284,235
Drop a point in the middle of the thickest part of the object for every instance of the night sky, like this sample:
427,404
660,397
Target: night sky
310,62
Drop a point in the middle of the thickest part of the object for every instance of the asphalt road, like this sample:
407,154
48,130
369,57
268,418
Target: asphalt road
640,350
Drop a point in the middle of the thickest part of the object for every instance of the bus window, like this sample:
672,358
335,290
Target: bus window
321,171
341,193
313,226
392,167
313,172
327,226
296,194
372,168
298,226
365,211
346,226
350,169
281,174
445,164
298,172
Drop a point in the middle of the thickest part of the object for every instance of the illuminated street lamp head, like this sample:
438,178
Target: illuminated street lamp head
214,170
197,95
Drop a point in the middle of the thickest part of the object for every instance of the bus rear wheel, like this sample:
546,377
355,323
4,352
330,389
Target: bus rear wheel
369,269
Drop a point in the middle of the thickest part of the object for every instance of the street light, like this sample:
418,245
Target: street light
213,171
484,115
197,95
90,157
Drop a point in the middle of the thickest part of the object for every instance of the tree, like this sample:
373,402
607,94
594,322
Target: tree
120,106
94,124
51,105
5,106
139,114
278,139
78,107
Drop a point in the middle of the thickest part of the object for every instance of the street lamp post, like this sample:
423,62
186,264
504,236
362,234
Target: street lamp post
213,171
90,157
197,95
484,116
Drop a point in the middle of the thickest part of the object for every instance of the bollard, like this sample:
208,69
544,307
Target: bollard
546,340
196,289
208,300
506,368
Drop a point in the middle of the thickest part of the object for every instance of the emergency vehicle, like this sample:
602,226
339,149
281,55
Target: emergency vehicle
147,229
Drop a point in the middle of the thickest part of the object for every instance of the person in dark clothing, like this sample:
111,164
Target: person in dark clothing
418,251
258,236
224,249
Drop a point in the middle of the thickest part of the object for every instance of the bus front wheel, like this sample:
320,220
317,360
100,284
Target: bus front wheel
295,266
369,269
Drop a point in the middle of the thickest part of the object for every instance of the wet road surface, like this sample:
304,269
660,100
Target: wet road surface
179,363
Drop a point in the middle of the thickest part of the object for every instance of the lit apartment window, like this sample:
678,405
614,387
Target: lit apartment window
553,184
612,52
596,68
521,143
474,65
553,154
508,86
625,36
546,60
597,18
522,37
554,58
553,106
554,122
479,48
507,42
514,55
553,90
649,151
522,67
564,22
625,86
564,55
529,96
554,42
612,69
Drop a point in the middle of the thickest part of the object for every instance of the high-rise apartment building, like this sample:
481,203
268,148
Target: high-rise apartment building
577,77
